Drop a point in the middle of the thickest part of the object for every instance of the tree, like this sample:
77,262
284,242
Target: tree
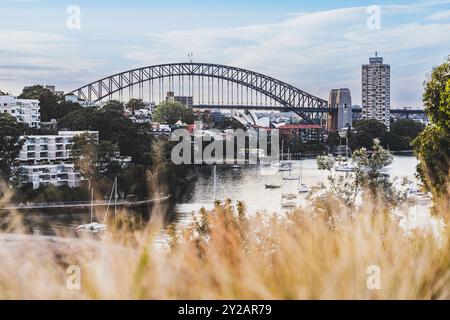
407,128
367,178
10,144
432,145
47,100
135,104
94,158
84,152
113,105
365,131
171,111
432,148
133,139
51,105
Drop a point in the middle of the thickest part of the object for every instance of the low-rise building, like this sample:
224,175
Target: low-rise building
24,110
38,149
63,174
305,132
188,101
46,159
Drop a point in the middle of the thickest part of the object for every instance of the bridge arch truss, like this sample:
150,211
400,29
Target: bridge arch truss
209,85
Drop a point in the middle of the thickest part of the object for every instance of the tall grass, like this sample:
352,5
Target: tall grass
226,254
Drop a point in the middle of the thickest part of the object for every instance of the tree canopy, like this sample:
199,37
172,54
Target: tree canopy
432,146
365,131
10,143
93,159
135,104
133,139
399,138
51,105
171,111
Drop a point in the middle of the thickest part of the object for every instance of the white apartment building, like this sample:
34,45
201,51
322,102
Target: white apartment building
46,159
38,149
55,174
24,110
376,90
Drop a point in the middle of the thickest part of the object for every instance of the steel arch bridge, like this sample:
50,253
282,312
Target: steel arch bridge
219,85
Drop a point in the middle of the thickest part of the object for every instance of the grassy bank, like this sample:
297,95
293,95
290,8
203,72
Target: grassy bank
225,254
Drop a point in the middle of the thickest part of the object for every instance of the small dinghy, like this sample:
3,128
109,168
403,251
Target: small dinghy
273,186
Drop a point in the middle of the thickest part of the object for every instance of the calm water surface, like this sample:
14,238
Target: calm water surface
246,184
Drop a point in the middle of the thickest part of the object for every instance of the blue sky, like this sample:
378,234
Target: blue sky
314,45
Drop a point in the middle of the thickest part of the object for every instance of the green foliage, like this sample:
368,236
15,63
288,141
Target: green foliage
114,106
364,133
433,149
51,105
399,138
333,139
133,139
432,146
93,158
135,104
170,112
49,193
10,143
367,178
436,97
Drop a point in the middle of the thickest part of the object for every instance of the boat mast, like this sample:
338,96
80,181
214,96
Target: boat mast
92,204
215,180
346,147
115,197
301,171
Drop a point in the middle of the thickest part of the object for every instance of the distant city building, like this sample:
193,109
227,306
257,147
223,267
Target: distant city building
24,110
217,117
46,159
74,99
341,101
304,132
188,101
52,88
376,90
143,115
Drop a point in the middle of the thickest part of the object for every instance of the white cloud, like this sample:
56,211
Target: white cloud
31,57
440,15
314,51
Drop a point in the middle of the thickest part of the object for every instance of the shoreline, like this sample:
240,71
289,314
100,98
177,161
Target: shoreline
84,204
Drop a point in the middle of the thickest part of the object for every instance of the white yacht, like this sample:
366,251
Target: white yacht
344,166
96,227
302,188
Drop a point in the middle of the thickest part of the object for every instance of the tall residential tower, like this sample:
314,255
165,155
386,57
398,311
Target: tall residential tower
376,90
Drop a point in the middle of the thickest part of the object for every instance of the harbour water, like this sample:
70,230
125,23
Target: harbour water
248,185
245,184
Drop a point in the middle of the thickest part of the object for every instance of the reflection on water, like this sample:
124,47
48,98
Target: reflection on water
246,184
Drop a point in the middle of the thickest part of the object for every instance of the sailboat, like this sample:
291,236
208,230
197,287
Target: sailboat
288,195
345,165
282,165
94,226
302,188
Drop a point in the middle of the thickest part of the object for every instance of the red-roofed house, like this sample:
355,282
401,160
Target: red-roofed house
306,132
